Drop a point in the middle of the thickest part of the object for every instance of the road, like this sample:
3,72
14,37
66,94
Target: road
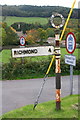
18,93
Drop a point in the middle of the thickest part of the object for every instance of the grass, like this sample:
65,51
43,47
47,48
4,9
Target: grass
64,52
47,110
12,19
5,55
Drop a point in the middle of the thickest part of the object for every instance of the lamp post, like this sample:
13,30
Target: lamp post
57,58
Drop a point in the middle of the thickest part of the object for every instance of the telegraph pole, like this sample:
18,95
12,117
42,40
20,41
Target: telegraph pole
57,59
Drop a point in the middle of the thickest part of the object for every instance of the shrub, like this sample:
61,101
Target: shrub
15,69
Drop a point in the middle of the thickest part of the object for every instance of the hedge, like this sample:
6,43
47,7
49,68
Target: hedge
33,69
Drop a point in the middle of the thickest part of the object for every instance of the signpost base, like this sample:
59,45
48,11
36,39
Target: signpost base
58,101
58,105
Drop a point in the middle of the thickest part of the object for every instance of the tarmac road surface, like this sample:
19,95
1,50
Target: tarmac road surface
18,93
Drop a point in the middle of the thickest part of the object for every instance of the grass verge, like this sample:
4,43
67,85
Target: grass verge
47,110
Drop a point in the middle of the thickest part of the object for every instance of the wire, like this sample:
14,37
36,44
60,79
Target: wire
36,102
44,80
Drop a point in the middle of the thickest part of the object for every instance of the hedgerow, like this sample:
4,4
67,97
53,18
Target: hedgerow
33,69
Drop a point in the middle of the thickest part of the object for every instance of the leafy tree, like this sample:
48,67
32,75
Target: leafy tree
77,37
50,32
21,26
4,36
42,35
32,36
67,31
0,36
9,37
36,11
4,25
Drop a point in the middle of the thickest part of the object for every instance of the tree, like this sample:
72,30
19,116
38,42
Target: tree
50,32
42,35
32,36
4,36
36,11
67,31
77,35
9,37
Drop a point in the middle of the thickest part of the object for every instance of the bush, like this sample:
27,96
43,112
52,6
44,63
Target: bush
31,69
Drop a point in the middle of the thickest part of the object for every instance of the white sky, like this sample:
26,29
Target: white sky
65,3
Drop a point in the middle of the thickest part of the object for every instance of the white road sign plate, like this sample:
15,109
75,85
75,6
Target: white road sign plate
70,60
22,41
32,51
70,43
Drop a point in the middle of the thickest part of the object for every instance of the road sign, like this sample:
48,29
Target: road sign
70,60
33,51
70,43
22,41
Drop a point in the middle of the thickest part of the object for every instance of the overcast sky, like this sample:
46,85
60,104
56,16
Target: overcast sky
65,3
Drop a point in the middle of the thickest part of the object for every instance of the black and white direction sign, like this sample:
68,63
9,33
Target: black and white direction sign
32,51
70,60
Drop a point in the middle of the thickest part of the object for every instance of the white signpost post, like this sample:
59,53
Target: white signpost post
70,59
32,51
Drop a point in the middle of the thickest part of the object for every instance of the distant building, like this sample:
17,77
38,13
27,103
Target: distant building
63,43
51,40
20,33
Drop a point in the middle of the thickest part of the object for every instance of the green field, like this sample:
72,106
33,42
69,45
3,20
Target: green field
5,55
47,110
10,20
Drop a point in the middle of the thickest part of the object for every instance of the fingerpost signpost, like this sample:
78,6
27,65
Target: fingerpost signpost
70,59
57,58
50,50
